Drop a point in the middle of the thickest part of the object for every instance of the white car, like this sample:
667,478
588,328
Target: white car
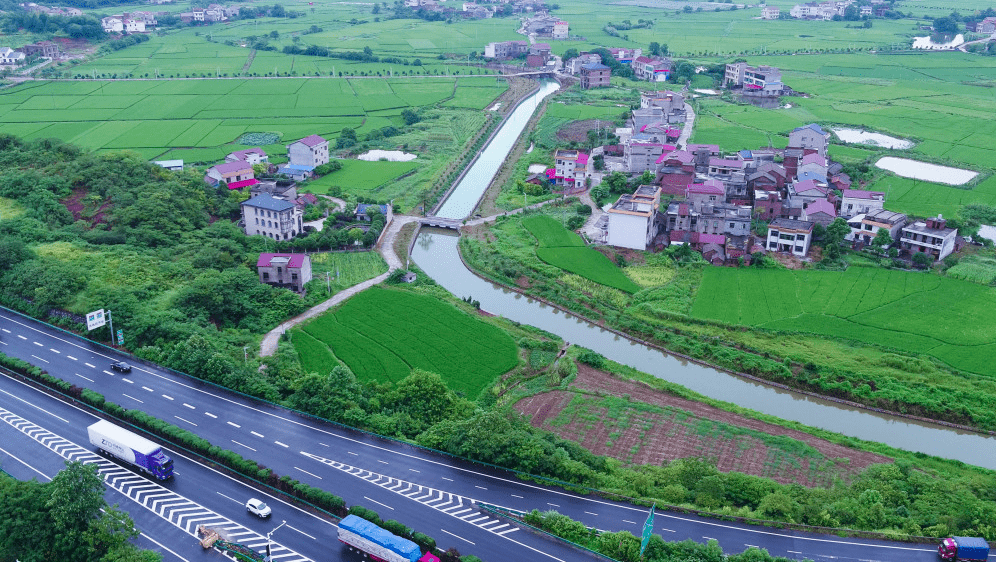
258,508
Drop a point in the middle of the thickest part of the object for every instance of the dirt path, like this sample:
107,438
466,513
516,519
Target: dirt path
596,213
268,346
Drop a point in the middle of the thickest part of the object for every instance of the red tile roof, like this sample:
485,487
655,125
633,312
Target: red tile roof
862,194
243,183
312,140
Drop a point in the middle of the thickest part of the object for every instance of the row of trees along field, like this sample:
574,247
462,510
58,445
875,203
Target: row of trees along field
65,519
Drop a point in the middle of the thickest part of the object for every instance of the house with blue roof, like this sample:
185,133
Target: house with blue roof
265,215
296,172
361,211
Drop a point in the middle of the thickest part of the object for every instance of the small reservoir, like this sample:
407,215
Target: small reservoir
866,137
390,155
923,171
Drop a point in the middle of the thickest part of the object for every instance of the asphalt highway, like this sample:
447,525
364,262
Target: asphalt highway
430,492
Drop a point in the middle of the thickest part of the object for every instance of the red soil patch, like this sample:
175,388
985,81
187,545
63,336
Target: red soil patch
74,204
683,430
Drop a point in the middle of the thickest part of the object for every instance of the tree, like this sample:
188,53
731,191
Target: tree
410,117
368,51
616,182
570,54
882,239
922,260
655,48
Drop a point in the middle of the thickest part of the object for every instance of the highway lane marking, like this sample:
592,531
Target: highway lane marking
553,504
147,388
323,444
507,531
668,530
793,551
447,479
520,497
590,513
55,350
89,365
235,425
378,503
168,397
82,377
481,487
308,473
40,359
708,538
352,453
229,498
71,357
22,337
128,381
5,343
302,532
751,545
38,344
256,434
47,477
160,545
183,420
133,398
628,521
39,408
246,446
210,415
189,406
383,462
413,470
6,330
458,536
109,373
281,444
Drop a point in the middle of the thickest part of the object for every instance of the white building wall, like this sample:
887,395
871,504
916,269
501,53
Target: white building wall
628,231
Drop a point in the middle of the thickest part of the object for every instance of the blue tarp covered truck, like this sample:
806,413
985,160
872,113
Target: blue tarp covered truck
963,548
380,544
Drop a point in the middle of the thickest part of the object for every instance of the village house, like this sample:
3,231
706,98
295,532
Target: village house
504,50
767,79
651,69
810,137
767,176
640,156
236,174
814,11
112,24
265,215
362,214
821,212
251,156
46,49
876,220
723,167
9,56
767,204
789,236
987,25
860,202
804,192
672,104
304,156
561,30
931,237
290,271
770,12
813,164
539,54
573,66
595,75
625,56
570,167
171,165
633,219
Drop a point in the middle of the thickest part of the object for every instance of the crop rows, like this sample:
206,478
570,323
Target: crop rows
382,334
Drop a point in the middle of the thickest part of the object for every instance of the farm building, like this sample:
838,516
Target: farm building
291,271
310,151
633,219
860,202
931,237
790,236
236,174
251,156
595,75
274,218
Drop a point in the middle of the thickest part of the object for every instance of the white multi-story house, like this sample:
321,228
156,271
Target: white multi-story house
770,12
860,202
133,25
570,167
112,24
879,219
274,218
651,69
251,156
310,151
931,237
561,30
790,236
9,56
633,219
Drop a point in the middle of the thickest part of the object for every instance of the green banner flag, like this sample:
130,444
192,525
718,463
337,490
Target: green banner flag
648,529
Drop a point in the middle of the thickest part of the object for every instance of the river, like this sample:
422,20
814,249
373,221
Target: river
436,252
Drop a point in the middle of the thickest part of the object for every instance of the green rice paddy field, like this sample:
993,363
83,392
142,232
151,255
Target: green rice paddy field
197,120
562,248
382,334
914,312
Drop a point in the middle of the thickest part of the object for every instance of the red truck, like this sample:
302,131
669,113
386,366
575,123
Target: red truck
964,548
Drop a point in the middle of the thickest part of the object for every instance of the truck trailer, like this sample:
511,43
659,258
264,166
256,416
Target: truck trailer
963,548
381,545
133,449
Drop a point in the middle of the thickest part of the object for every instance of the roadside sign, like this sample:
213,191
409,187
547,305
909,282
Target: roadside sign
648,530
95,319
120,337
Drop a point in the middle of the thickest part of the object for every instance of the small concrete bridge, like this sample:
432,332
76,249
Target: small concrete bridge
441,222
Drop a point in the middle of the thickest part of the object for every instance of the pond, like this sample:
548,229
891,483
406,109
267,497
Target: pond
928,44
923,171
391,155
867,137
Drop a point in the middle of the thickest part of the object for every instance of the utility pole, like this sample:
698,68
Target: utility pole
282,523
111,324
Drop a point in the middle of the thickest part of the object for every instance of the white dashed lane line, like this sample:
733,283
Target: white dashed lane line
378,503
38,344
55,351
189,406
243,445
133,398
235,425
71,357
89,365
447,479
128,381
413,470
520,497
590,513
147,388
40,359
308,473
166,396
383,462
183,420
281,444
481,487
256,434
84,378
22,337
628,521
5,330
210,415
